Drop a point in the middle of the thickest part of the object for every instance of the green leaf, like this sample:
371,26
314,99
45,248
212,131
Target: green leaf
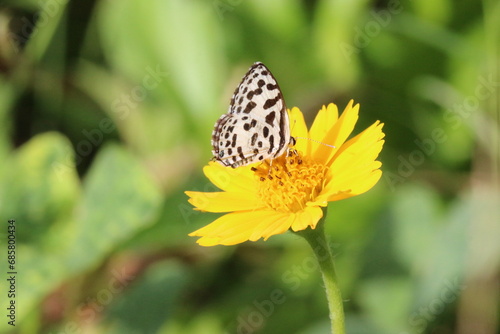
119,199
38,188
180,38
387,301
40,185
415,224
161,287
429,243
49,16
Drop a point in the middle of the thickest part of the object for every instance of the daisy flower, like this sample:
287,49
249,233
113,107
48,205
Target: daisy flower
291,191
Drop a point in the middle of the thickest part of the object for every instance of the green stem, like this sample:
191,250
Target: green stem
317,240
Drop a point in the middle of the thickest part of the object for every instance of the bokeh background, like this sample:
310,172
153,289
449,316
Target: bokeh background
107,109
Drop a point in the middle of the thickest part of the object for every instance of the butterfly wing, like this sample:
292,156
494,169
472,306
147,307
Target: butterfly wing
257,125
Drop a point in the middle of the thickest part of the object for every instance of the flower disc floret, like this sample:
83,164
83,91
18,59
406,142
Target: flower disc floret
288,183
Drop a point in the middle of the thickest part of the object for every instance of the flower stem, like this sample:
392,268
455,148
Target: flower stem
317,240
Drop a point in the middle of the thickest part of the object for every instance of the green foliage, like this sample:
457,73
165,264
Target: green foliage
106,111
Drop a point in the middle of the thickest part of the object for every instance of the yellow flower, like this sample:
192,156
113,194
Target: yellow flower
270,197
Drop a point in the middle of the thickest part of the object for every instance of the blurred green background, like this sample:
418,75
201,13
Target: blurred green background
107,108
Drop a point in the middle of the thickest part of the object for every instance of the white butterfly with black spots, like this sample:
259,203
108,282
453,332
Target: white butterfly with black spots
257,126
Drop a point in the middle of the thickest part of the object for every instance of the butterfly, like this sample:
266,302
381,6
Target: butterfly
256,126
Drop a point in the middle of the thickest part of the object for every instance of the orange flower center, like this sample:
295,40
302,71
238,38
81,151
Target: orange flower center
287,183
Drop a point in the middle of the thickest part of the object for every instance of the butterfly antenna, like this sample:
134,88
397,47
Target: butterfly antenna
316,141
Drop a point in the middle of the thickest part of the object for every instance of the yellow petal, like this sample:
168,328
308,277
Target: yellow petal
234,228
299,130
278,224
326,117
368,137
368,182
207,241
358,151
308,217
353,182
224,201
229,179
337,134
354,170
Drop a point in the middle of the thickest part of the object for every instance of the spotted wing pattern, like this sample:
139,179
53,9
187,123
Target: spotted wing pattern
256,126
